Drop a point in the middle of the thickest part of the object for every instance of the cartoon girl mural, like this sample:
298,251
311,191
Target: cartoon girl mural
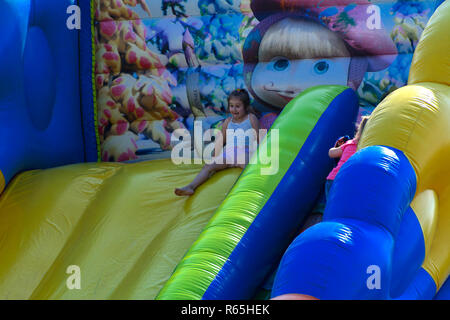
303,43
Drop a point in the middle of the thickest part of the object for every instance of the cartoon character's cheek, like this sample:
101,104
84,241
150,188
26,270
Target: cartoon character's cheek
262,77
265,82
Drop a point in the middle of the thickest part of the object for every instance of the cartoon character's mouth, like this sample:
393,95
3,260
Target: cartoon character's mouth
284,94
287,98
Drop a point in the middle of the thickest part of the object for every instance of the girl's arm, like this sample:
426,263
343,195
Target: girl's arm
255,125
219,145
224,130
335,152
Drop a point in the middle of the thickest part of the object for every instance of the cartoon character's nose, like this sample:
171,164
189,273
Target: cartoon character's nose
270,84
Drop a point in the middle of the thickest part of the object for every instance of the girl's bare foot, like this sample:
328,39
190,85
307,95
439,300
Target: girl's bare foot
185,191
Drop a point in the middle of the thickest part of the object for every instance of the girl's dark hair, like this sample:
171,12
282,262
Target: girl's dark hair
243,96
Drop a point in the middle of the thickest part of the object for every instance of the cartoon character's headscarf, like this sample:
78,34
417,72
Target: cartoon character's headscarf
375,45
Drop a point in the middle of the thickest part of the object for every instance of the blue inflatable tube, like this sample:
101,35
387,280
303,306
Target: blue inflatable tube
356,225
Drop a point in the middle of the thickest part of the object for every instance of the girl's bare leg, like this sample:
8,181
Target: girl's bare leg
204,174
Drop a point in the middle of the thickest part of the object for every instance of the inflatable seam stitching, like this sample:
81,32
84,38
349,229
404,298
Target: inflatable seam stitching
94,89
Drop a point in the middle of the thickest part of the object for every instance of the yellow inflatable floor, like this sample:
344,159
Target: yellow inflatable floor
117,230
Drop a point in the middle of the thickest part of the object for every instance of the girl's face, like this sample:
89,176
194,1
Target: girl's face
236,108
279,81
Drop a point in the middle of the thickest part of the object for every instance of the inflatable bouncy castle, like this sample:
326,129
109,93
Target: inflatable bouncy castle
97,96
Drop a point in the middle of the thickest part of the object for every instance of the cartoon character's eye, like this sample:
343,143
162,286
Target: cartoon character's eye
281,64
321,67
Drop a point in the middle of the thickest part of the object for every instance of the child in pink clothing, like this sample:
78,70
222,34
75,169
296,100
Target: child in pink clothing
344,152
343,149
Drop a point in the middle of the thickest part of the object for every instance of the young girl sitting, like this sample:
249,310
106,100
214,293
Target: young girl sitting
237,152
343,152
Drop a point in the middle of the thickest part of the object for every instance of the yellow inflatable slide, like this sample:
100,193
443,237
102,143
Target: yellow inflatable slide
118,227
